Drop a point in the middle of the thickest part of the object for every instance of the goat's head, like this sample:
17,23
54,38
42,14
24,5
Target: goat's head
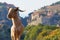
12,12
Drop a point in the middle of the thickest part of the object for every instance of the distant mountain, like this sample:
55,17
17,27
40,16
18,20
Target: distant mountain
5,24
3,13
48,15
24,21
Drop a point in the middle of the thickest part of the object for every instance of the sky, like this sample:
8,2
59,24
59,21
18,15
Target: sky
29,5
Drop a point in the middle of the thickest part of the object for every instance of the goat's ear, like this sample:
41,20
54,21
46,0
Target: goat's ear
17,8
8,8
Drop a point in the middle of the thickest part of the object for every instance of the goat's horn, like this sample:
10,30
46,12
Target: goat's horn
21,10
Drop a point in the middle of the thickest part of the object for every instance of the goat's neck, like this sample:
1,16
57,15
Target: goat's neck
16,21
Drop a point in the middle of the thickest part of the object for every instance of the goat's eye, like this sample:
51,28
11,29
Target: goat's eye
13,10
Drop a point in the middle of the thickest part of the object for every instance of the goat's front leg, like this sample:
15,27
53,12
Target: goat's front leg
12,38
12,35
18,38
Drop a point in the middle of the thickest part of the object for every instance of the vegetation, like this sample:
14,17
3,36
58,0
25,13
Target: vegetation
39,32
42,32
56,3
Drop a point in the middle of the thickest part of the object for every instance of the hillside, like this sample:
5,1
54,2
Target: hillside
44,24
42,32
48,15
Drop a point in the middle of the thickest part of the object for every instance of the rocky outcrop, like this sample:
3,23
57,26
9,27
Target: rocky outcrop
48,15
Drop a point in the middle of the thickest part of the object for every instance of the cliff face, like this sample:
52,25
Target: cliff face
49,15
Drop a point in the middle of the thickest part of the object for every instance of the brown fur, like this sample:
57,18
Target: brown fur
17,27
